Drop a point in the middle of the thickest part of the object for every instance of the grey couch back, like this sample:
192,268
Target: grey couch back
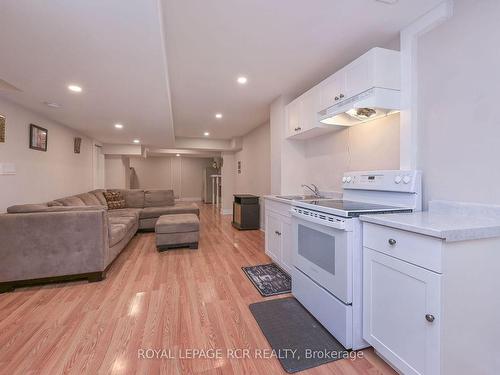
134,198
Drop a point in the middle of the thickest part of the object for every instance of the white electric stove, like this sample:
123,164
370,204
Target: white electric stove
327,246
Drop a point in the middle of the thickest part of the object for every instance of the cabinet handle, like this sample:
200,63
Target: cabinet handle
392,241
429,317
341,96
277,232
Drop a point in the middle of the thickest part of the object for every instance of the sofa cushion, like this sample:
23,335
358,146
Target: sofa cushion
33,208
71,201
180,223
130,212
89,199
178,208
119,226
24,208
114,199
117,232
99,194
134,198
54,204
158,198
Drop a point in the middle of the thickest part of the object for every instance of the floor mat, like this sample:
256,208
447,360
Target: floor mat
298,339
269,279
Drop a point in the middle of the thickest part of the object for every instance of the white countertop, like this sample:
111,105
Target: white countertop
446,220
325,194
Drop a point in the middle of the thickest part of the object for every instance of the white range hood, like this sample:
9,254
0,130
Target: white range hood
367,106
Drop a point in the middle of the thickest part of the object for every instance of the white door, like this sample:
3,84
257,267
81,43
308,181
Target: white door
401,312
331,89
286,245
273,236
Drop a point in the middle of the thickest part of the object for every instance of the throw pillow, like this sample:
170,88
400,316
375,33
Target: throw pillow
114,199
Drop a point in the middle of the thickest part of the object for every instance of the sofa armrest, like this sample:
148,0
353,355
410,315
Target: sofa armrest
47,244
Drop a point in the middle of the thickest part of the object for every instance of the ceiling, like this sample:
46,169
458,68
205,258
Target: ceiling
282,46
119,50
114,49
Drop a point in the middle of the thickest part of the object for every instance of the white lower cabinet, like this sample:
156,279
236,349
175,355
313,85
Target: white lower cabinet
279,234
431,306
402,312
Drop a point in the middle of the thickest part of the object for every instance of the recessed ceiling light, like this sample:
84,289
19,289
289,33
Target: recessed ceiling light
242,80
177,154
74,88
218,115
52,104
136,141
206,134
119,126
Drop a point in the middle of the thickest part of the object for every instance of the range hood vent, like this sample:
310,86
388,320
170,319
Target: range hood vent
367,106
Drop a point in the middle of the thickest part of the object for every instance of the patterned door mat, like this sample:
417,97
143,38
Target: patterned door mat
301,341
269,279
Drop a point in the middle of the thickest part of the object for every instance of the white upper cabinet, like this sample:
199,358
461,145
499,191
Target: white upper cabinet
302,116
378,67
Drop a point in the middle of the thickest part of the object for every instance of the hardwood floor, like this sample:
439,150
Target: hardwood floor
170,301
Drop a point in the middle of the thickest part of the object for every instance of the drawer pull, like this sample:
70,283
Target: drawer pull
392,241
429,317
277,232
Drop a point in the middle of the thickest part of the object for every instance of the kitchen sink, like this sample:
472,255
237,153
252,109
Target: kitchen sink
300,197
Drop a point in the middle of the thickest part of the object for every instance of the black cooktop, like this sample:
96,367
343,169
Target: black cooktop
354,209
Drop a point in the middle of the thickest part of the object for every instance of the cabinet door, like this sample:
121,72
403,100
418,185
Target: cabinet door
359,75
286,245
309,106
293,117
330,90
401,312
273,236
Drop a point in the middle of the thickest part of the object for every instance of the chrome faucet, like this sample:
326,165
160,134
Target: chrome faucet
314,190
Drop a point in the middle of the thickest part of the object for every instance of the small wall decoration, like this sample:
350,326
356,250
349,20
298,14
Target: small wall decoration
2,129
78,142
38,138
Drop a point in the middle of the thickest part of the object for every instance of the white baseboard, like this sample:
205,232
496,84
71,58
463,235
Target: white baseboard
226,211
189,199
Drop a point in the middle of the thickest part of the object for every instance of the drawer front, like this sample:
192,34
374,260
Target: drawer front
423,251
278,207
334,315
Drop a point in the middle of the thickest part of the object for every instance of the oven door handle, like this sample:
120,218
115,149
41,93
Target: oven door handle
331,224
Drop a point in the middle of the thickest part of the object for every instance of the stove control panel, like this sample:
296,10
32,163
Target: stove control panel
406,181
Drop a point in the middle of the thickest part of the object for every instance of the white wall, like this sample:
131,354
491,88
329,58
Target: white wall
41,176
459,93
228,173
116,172
182,174
373,145
255,158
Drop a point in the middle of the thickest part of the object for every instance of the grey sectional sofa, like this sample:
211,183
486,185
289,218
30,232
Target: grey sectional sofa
75,237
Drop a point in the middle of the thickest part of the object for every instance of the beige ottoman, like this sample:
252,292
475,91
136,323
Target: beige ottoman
177,230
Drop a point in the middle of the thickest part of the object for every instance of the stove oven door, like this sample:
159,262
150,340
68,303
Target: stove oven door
324,254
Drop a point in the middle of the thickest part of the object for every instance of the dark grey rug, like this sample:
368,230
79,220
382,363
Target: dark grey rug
298,339
269,279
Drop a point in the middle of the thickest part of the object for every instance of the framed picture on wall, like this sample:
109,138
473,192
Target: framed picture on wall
38,138
2,129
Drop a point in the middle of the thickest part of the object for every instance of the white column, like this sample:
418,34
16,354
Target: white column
213,189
